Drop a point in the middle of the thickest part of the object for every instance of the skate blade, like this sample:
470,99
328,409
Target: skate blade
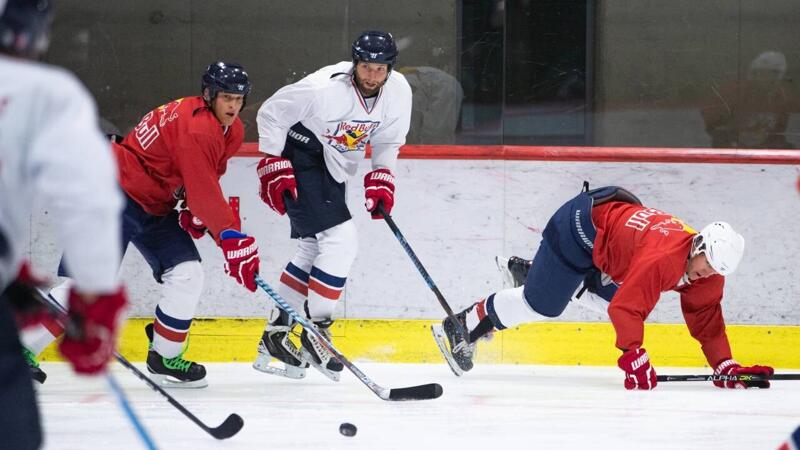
169,382
502,266
441,342
263,364
333,376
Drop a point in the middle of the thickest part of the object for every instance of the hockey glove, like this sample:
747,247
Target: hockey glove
91,331
277,178
241,257
379,187
638,372
23,295
731,367
191,224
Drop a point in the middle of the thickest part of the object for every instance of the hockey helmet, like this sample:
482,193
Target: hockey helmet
722,246
375,47
224,77
25,27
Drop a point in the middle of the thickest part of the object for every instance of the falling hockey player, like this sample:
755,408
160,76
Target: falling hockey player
314,133
177,153
627,254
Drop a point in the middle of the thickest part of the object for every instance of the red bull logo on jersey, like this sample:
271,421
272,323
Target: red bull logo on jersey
351,136
168,112
672,224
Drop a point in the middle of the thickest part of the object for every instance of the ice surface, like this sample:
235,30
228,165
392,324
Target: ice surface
491,407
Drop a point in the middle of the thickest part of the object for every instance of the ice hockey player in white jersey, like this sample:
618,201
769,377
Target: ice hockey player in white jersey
314,133
51,154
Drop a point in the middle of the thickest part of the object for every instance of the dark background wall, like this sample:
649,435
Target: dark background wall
136,55
612,72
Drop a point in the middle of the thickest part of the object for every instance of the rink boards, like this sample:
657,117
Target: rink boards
551,343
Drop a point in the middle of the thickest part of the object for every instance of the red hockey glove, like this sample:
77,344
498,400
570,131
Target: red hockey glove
91,332
241,256
731,367
191,224
277,177
638,372
379,187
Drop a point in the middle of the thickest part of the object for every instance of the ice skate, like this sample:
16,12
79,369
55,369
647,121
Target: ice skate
315,353
275,343
174,372
514,270
37,373
456,350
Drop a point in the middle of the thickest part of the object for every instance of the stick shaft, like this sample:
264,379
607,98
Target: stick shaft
224,431
418,264
783,376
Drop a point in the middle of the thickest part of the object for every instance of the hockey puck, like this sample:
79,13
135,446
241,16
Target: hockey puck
348,429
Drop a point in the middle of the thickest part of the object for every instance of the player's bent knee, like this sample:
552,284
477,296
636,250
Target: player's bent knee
187,276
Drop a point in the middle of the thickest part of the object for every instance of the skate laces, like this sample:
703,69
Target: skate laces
177,362
30,358
321,351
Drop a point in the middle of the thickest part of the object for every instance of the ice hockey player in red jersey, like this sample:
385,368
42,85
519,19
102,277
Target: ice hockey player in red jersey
627,254
793,443
48,131
314,133
175,157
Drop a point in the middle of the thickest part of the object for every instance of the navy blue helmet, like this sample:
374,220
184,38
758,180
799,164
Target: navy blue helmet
25,27
224,77
376,47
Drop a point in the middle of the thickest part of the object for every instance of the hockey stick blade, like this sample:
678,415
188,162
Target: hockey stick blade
232,424
421,392
782,376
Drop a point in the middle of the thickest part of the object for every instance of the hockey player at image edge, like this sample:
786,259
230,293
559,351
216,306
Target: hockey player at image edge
48,131
625,254
314,133
175,156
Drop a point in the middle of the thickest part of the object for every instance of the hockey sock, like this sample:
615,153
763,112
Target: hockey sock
337,249
508,308
174,313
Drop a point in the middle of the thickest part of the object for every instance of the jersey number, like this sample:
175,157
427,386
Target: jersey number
146,133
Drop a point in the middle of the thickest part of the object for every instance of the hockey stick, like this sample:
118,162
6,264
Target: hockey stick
421,392
782,376
422,271
69,328
126,406
232,424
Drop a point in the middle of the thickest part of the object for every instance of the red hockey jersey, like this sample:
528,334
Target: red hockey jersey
178,148
646,251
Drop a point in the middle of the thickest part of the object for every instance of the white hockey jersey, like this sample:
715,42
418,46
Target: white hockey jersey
332,108
53,154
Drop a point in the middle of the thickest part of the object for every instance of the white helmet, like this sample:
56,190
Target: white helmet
723,247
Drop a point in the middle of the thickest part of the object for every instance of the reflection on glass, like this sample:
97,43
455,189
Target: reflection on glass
436,105
754,112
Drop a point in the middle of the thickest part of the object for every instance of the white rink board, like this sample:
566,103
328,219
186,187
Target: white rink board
458,214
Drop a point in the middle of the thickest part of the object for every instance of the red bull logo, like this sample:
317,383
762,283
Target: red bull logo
351,136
